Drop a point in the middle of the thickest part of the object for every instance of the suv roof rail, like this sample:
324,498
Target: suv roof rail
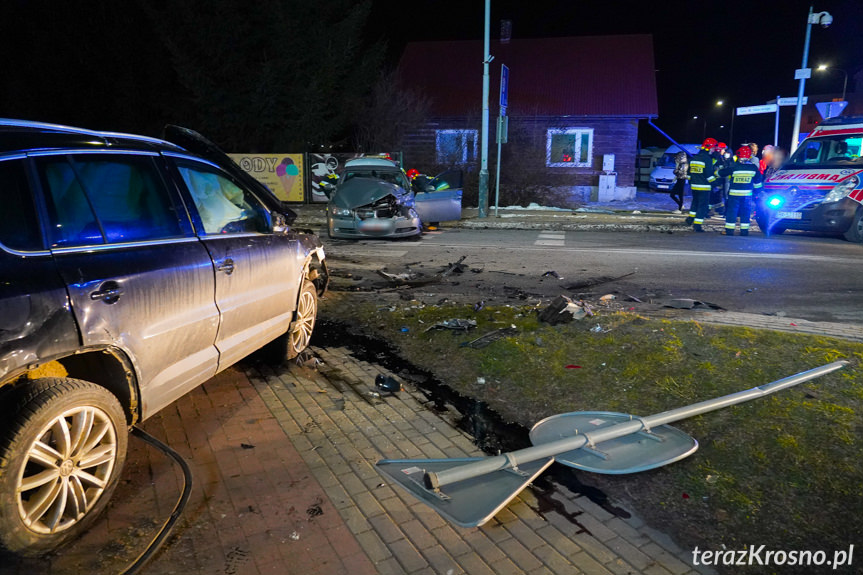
73,130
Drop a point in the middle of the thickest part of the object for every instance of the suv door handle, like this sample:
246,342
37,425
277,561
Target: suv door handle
109,292
226,265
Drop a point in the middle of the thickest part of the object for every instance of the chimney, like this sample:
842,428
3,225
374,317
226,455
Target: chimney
505,31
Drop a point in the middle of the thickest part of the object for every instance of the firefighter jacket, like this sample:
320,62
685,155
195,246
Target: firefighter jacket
701,171
744,177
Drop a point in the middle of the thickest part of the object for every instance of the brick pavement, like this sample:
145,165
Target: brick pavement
340,429
255,507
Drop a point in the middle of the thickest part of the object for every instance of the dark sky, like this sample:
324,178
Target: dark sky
742,52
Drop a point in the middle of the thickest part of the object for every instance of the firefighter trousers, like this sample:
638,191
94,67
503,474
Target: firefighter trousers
738,206
698,207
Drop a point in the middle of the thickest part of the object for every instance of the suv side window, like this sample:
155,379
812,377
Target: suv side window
19,228
96,198
224,207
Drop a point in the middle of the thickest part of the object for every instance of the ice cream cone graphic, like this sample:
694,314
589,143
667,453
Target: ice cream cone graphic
287,173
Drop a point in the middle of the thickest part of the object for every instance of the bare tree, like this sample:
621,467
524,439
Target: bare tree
389,114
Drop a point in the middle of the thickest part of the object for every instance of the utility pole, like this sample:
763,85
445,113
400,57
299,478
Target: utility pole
483,169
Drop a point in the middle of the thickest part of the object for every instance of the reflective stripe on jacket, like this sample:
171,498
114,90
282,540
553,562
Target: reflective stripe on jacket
701,171
744,177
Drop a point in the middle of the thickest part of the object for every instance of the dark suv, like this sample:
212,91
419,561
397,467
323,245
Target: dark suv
132,270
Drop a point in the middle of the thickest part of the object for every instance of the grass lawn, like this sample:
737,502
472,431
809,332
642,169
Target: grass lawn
784,471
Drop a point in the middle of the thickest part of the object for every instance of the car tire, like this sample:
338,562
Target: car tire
292,343
62,448
854,233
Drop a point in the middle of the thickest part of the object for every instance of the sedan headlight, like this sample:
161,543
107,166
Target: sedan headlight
841,190
341,211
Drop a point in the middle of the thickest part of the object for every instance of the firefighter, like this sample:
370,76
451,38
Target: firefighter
701,176
744,177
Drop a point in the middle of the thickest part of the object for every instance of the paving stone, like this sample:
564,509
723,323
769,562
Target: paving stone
407,555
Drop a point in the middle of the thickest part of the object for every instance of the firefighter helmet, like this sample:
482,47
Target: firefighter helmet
722,145
709,143
413,173
744,152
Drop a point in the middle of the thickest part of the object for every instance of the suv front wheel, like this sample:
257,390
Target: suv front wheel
290,344
63,448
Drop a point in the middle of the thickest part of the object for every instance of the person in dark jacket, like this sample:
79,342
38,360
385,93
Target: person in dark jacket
681,172
701,177
745,178
716,203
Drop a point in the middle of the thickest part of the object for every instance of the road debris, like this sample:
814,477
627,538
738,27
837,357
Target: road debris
492,336
455,324
479,305
552,274
562,309
387,383
607,298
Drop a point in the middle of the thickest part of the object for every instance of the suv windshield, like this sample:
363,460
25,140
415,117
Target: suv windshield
837,151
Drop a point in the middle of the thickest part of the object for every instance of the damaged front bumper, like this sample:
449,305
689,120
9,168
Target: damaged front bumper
384,218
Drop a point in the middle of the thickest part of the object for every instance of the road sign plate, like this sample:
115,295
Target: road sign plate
762,109
468,503
628,454
791,101
830,109
504,87
802,73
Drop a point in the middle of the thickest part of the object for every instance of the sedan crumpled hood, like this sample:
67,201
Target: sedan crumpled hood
359,191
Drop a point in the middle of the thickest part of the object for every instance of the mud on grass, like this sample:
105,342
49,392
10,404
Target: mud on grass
783,471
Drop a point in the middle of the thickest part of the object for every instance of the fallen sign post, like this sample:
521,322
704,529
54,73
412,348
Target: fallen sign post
602,442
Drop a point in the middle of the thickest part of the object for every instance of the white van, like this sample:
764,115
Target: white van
662,177
820,187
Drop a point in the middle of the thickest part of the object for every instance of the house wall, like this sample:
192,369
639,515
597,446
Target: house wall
526,149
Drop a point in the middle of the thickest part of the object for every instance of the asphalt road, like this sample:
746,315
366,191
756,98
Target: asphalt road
799,275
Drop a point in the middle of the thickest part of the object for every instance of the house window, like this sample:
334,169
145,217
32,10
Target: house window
569,147
456,146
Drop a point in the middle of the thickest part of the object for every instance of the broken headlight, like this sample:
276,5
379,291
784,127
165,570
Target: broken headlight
341,211
841,190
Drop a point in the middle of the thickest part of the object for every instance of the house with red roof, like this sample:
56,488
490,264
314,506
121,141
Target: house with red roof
571,102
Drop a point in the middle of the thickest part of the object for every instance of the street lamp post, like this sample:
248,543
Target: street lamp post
719,104
824,67
483,166
824,19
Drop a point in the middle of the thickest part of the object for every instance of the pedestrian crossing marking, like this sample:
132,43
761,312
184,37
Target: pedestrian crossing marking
546,238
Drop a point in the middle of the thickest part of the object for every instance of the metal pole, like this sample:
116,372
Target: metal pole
776,127
483,169
497,167
515,458
844,85
731,130
798,112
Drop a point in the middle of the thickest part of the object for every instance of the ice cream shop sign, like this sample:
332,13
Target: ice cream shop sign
282,173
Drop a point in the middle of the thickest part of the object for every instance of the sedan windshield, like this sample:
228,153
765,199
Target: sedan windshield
837,151
388,176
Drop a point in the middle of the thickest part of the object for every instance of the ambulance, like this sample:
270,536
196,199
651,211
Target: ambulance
820,187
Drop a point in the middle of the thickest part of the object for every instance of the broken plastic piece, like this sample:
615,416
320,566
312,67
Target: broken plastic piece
387,383
553,274
457,324
572,366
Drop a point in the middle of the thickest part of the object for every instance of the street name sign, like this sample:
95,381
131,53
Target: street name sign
762,109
